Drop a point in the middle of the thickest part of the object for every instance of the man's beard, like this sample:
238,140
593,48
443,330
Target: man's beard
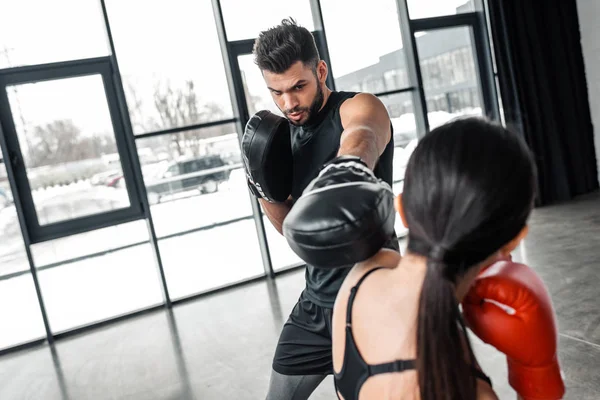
311,111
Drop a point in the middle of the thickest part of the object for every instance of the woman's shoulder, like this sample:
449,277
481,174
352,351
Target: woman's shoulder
385,258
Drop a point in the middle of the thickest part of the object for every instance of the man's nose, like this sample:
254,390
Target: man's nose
290,101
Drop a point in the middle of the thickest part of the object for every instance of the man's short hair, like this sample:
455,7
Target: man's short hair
276,49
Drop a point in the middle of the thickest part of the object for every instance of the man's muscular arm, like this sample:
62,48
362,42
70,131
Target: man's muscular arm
367,129
276,212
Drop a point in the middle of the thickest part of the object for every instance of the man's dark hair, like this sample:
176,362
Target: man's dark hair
278,48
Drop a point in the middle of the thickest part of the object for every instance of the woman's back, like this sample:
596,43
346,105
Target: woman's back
379,338
387,286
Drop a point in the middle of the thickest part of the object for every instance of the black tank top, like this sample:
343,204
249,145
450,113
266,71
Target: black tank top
312,146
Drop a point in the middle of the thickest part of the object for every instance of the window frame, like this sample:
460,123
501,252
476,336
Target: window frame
55,71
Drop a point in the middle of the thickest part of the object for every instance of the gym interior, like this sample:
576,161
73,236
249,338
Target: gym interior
134,261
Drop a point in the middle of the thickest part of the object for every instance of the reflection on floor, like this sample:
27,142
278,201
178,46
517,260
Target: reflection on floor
220,347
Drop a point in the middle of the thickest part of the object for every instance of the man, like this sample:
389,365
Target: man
350,129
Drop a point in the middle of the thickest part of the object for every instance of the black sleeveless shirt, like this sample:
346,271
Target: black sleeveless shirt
312,146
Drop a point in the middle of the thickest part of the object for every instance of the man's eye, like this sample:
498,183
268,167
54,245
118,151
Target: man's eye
298,87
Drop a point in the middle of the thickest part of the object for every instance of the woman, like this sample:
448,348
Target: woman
397,331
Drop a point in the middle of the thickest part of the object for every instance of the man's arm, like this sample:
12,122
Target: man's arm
276,212
366,125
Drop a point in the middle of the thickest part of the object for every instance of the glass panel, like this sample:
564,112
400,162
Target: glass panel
12,250
19,311
38,32
84,282
259,98
361,60
201,208
103,240
265,14
211,256
68,144
450,76
19,308
401,111
171,63
436,8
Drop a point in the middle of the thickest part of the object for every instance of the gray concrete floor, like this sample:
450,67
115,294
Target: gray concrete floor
220,347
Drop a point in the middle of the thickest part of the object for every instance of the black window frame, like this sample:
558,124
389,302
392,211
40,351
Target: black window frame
480,50
55,71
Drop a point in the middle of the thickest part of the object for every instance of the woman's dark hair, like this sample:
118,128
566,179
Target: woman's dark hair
469,189
278,48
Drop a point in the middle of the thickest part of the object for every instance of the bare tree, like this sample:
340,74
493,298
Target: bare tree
181,107
175,107
134,104
61,141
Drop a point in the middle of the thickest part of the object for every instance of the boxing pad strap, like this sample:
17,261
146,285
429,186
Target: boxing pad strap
536,383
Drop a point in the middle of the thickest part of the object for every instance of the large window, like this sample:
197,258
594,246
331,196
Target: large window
201,208
67,139
365,45
246,19
38,32
63,129
436,8
170,62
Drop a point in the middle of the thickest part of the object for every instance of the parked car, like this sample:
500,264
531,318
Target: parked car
204,173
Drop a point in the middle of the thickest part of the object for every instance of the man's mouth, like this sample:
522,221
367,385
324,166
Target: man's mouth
297,116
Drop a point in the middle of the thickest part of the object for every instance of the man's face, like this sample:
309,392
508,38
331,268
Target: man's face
297,92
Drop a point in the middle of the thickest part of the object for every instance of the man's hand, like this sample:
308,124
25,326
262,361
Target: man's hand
367,128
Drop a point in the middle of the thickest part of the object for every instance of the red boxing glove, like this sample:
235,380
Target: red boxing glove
509,308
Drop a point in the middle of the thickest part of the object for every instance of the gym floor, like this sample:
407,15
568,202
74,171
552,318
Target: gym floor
220,347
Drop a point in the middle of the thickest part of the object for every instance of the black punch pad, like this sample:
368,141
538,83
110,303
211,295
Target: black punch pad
338,225
267,154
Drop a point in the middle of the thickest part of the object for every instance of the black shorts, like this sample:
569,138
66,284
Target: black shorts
304,346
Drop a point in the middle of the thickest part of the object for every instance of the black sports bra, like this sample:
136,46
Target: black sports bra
355,371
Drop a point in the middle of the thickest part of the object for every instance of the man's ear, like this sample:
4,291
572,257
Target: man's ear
398,206
322,71
512,245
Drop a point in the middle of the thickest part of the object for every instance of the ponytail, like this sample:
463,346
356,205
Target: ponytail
444,372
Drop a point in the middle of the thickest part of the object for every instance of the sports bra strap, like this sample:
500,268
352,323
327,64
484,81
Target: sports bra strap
479,374
394,366
353,294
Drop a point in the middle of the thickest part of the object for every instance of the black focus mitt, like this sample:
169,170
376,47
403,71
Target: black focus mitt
344,216
267,156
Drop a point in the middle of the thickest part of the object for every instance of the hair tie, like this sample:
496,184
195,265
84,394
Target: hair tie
438,253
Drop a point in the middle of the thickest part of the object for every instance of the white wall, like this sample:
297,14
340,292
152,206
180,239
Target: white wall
589,21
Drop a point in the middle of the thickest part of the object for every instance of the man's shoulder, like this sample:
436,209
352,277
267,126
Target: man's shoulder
358,100
343,95
339,99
